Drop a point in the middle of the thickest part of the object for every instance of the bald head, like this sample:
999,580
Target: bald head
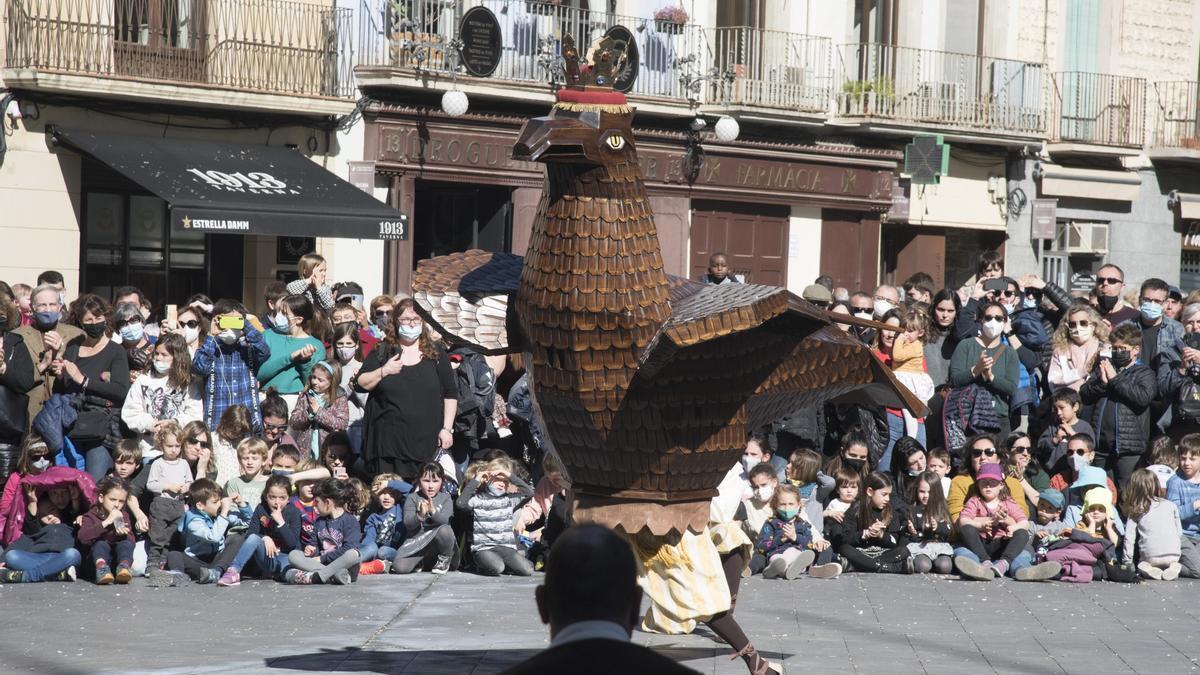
591,575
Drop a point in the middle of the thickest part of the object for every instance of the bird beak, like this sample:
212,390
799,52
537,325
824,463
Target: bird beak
564,139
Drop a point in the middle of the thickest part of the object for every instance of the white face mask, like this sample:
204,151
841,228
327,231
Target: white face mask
1079,462
748,462
883,307
345,353
1082,334
863,315
161,367
991,329
764,493
1010,307
41,464
191,334
227,336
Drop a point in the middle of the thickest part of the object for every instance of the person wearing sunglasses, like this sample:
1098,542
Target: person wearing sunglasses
1110,291
1081,452
1080,337
1020,463
986,362
1120,391
979,450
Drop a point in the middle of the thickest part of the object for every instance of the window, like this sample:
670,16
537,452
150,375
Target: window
160,38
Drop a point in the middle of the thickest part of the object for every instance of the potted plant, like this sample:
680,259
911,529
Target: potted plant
415,27
670,19
866,96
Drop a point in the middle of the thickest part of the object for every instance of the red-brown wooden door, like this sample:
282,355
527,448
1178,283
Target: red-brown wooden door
754,237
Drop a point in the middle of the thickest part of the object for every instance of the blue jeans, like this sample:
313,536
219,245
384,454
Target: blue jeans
1024,558
370,551
99,462
253,549
38,566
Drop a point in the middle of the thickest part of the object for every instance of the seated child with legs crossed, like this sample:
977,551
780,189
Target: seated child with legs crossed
786,541
1152,530
245,491
430,542
333,557
872,536
929,529
486,495
169,479
274,533
107,531
1048,525
383,531
207,551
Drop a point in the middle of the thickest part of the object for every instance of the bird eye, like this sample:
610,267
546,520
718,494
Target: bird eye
615,141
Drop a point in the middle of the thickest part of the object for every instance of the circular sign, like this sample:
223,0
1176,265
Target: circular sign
479,32
627,75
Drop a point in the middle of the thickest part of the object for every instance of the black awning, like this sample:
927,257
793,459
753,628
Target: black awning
241,189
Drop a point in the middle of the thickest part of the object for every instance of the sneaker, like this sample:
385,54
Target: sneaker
797,566
973,570
208,576
894,567
775,569
104,575
826,571
124,574
442,565
342,578
156,578
373,567
1149,571
297,577
8,576
1172,572
65,575
1000,567
1039,572
231,577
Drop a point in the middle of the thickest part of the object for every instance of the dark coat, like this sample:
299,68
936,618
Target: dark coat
1121,415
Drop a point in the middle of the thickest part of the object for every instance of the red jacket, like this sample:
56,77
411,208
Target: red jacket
93,529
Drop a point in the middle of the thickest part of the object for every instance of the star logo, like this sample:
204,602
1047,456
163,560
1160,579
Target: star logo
187,223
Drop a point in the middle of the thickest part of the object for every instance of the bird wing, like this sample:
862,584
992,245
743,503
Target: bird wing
808,360
465,297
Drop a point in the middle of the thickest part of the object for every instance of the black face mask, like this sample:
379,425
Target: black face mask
1121,358
1107,302
856,464
94,330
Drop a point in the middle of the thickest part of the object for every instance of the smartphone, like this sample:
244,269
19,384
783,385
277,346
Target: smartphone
995,285
173,316
231,323
1106,353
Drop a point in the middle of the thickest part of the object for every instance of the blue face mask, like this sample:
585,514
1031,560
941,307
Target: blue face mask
787,514
46,320
1152,311
132,333
281,324
1029,303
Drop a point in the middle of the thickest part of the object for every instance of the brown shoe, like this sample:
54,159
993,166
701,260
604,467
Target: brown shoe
756,663
124,576
104,575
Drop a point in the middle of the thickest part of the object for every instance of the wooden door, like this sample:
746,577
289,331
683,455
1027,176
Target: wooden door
754,237
850,248
161,39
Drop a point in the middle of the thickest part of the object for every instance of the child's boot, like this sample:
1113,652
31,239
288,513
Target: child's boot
124,574
65,575
298,577
10,576
104,575
442,565
973,570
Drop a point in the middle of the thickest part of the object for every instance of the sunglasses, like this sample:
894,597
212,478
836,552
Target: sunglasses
1021,448
862,309
1078,451
190,324
1109,281
1079,324
275,427
127,322
998,318
1008,294
983,452
203,444
380,312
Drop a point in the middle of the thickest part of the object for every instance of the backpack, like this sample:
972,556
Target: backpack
476,383
1187,402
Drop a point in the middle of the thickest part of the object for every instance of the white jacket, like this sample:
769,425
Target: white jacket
150,400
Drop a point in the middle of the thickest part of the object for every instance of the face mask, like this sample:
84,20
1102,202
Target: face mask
44,321
281,324
1078,462
161,367
1082,334
1152,311
764,493
856,464
410,333
1029,303
1009,307
1107,302
883,307
787,514
94,330
1121,358
991,329
41,464
913,474
345,353
132,333
495,490
748,462
281,472
381,322
863,315
228,336
190,335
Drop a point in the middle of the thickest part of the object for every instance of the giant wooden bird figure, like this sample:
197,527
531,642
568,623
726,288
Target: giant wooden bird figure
646,383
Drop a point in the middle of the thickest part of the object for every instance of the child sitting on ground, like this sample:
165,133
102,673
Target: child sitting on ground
1152,528
939,463
169,478
548,507
107,529
245,491
127,463
336,455
487,497
207,551
847,482
929,546
334,557
430,540
1048,526
274,533
788,542
758,509
993,529
383,532
871,537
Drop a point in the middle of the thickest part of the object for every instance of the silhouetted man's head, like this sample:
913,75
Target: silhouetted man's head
591,575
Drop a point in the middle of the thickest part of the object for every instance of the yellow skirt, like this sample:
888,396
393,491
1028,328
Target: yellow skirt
683,577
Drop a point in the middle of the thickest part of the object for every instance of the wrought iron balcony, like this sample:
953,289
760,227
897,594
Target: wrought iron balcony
1097,109
770,69
1175,119
265,46
419,35
940,89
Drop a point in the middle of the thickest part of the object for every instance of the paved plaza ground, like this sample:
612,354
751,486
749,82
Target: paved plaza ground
462,623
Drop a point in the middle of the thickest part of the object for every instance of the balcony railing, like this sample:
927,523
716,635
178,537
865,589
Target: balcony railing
770,68
417,34
1098,109
269,46
940,88
1175,119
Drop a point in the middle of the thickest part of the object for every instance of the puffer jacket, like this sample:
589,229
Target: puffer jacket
12,503
1121,415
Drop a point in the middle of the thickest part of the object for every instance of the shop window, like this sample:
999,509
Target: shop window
455,217
1189,270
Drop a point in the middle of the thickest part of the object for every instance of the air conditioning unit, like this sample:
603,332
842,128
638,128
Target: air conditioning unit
940,100
1084,238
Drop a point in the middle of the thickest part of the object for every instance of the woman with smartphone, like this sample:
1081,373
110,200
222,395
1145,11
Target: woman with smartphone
294,351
